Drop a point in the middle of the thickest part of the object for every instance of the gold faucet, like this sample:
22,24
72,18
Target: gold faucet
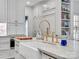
46,34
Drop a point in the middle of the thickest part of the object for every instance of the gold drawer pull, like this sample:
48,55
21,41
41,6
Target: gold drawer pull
49,58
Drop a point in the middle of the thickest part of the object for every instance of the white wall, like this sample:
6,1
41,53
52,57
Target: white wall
37,12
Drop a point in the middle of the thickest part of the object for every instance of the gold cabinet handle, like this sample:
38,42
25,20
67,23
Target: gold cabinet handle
49,58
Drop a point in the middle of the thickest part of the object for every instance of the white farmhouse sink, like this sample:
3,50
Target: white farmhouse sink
29,50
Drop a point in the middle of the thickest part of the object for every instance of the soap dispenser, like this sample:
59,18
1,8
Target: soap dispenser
55,38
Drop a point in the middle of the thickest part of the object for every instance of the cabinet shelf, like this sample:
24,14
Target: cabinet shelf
67,3
65,20
66,27
66,12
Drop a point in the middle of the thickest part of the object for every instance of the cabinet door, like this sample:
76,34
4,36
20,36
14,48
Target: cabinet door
11,6
16,45
4,43
3,10
11,29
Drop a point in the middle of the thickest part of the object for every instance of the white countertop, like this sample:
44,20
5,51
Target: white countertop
69,52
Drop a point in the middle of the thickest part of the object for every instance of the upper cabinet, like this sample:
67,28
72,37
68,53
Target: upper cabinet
11,11
3,10
16,11
15,17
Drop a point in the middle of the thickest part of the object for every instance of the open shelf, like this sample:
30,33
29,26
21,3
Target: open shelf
66,27
65,17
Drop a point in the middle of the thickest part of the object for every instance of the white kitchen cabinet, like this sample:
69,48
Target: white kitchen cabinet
13,29
3,10
15,17
17,45
4,43
44,56
16,10
11,12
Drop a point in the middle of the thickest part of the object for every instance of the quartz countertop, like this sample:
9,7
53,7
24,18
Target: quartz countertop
71,51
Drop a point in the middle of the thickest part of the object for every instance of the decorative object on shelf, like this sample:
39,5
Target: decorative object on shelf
65,15
64,9
65,23
65,31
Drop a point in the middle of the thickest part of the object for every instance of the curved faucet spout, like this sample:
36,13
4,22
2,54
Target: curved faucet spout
47,29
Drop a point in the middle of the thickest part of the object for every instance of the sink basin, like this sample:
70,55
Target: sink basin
29,49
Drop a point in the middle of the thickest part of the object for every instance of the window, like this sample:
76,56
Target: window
76,27
3,29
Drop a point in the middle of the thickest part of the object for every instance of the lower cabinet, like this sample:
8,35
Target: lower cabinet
45,56
17,45
4,43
